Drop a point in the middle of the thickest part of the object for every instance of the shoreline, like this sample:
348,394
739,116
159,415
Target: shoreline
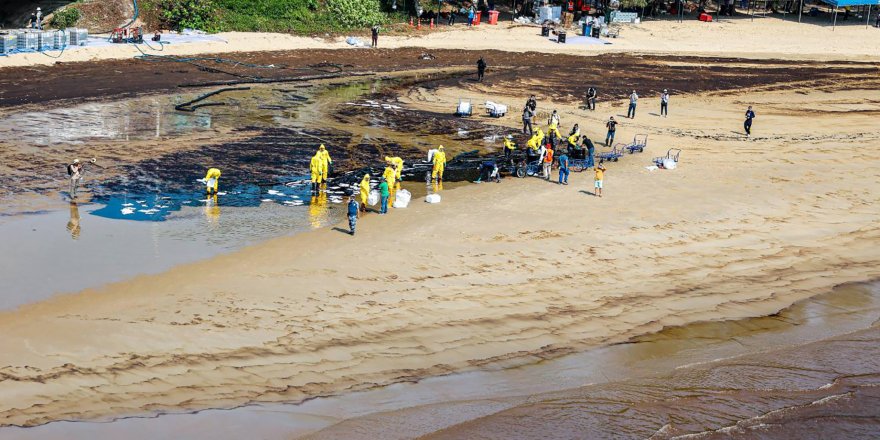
483,394
24,318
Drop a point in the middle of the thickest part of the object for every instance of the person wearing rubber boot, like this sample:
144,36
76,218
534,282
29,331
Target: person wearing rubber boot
439,160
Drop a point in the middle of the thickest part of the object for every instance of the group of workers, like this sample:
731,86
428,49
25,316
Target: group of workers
319,168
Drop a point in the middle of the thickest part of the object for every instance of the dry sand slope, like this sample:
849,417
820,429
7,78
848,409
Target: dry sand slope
496,273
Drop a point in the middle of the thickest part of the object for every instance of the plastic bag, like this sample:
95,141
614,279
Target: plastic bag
373,198
401,200
354,41
669,164
433,198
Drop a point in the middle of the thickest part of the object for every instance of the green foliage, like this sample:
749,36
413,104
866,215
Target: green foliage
633,3
182,14
296,16
65,18
356,13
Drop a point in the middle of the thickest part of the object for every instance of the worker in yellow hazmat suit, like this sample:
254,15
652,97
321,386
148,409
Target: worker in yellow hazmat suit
212,180
316,167
533,142
398,164
325,163
509,146
439,160
365,192
390,175
572,140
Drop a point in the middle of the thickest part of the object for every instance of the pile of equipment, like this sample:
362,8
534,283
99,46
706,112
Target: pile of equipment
127,35
36,40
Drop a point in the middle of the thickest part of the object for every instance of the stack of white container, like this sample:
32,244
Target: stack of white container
27,41
59,39
78,36
45,40
8,42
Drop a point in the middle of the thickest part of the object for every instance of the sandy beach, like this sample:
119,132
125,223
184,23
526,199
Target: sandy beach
497,275
813,39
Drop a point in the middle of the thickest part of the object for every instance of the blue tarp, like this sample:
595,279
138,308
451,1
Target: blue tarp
842,3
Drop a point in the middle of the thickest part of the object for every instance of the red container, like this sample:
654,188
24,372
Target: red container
493,17
477,17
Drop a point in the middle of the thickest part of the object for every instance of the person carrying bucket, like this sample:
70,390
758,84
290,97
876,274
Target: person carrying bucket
212,180
439,161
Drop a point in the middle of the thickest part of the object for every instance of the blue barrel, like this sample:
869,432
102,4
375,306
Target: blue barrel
588,28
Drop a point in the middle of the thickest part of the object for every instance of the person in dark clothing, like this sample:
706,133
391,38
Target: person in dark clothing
481,69
591,151
527,116
532,103
489,172
591,98
747,125
375,32
612,128
354,212
451,19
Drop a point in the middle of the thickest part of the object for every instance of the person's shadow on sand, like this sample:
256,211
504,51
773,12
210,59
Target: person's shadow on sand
344,231
587,192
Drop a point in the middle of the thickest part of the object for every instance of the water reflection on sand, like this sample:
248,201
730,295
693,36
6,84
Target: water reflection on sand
810,371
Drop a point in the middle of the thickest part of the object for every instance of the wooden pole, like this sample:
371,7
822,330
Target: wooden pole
800,11
834,25
868,20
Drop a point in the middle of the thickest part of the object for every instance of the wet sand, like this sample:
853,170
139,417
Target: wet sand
810,371
742,228
473,402
77,249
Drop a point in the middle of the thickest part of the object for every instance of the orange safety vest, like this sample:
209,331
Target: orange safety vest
571,6
548,156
